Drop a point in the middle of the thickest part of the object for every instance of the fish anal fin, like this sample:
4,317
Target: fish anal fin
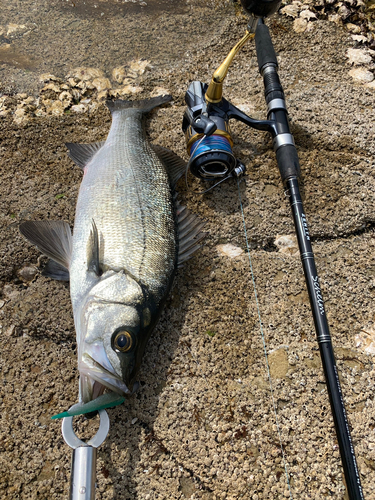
189,233
175,165
82,154
52,238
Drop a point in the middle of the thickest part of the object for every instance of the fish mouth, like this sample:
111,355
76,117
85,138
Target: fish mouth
96,375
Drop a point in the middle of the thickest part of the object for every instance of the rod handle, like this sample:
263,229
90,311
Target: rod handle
264,47
288,162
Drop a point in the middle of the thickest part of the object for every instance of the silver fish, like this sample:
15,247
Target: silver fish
129,237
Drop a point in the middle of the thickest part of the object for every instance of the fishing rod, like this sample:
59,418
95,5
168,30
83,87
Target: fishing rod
209,145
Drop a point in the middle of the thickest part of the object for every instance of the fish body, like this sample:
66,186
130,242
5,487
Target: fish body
129,237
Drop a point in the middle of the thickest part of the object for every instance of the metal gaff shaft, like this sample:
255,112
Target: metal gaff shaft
287,159
349,463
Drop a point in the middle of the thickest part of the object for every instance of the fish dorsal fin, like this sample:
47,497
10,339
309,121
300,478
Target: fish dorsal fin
189,233
93,263
175,165
81,154
53,238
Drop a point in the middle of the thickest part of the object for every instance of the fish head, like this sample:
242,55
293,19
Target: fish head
113,339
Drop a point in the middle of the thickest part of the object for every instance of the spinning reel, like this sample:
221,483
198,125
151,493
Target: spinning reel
206,118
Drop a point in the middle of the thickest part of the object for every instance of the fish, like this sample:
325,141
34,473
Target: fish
129,237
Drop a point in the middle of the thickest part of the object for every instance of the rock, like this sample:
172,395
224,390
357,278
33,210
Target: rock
159,91
102,84
52,86
28,273
334,18
56,108
20,116
47,77
119,74
370,85
86,74
365,340
102,95
73,81
128,89
76,94
291,10
66,98
10,292
139,66
358,56
353,28
359,38
79,108
344,12
229,250
361,75
14,28
3,108
307,14
10,331
299,25
287,244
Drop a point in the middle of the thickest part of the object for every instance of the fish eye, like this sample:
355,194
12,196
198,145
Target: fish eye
123,341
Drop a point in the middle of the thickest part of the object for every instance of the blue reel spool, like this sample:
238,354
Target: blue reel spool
212,158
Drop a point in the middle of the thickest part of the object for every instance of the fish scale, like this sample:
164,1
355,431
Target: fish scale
126,191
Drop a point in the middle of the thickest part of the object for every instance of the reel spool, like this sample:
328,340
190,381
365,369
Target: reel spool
211,156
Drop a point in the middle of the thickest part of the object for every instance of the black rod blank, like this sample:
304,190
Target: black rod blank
351,473
288,163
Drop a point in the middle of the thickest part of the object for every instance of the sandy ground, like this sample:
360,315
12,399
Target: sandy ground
202,425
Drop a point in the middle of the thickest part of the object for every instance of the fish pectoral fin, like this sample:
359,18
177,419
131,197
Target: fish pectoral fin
93,251
82,154
53,238
189,233
174,165
56,271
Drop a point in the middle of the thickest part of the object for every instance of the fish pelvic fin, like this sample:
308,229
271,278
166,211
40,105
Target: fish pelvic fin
82,154
54,239
174,165
144,105
189,228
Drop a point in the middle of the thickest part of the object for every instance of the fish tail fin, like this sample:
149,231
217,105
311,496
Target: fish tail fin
144,105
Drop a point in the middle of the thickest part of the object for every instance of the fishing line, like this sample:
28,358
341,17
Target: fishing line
264,341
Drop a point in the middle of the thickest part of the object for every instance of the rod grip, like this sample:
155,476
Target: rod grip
264,47
288,162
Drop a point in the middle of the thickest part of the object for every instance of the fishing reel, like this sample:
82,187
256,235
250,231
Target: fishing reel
208,138
206,118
